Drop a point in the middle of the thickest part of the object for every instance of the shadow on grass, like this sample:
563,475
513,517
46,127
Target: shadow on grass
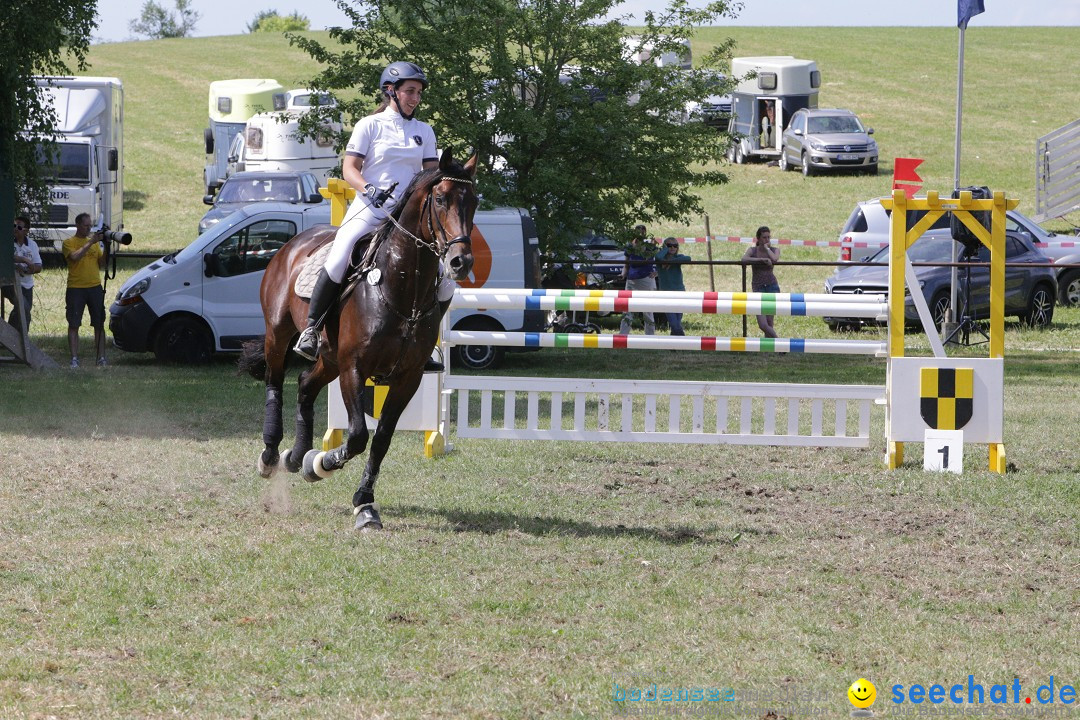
491,522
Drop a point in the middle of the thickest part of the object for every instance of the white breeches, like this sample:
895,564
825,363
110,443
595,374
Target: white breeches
360,219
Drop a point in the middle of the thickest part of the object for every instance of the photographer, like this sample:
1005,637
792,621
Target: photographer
763,280
85,257
27,264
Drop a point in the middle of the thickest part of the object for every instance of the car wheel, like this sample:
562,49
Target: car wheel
740,156
1069,288
939,309
183,340
478,357
871,169
807,168
784,165
731,153
1040,312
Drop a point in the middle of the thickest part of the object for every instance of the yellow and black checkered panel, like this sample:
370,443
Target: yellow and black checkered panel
945,397
374,397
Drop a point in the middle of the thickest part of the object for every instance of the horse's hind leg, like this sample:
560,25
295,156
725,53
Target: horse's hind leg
269,459
367,513
311,383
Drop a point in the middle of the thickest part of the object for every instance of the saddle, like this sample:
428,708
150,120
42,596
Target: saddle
359,264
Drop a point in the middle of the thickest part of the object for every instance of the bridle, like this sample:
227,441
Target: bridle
427,211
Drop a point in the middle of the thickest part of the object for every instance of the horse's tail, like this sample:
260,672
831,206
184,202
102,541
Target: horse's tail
253,359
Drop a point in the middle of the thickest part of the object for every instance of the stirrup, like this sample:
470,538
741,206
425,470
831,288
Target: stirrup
308,345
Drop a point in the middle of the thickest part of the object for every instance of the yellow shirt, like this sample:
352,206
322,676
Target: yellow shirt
82,273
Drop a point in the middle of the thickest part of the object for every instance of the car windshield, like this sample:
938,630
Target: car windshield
597,242
260,189
926,249
830,124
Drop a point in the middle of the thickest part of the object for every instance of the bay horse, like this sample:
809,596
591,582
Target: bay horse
385,328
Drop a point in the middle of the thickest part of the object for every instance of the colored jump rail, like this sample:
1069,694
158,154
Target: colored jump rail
665,342
709,413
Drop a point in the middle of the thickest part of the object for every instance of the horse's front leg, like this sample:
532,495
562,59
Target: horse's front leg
311,383
364,507
321,465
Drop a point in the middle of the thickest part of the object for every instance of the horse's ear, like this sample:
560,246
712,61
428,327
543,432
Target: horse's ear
470,167
447,160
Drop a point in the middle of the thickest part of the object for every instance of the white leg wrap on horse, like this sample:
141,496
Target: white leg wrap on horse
360,508
446,289
318,467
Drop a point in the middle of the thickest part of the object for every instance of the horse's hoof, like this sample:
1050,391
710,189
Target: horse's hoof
367,517
313,468
266,471
288,464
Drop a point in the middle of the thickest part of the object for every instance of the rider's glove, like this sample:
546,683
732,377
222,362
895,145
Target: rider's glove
376,196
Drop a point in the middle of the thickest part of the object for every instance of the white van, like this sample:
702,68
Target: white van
205,298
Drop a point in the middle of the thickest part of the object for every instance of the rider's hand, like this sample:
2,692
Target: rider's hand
372,193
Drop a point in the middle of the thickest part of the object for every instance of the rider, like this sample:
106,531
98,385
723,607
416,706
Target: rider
387,147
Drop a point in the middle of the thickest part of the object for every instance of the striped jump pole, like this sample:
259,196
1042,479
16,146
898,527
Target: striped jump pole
664,342
708,303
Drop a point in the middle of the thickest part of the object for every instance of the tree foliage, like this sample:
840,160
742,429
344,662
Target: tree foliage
156,22
566,123
44,37
271,21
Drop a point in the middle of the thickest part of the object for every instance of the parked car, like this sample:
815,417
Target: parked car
298,187
828,139
1030,292
715,109
205,298
867,230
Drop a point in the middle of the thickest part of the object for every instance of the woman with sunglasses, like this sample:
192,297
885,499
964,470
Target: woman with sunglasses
669,277
27,264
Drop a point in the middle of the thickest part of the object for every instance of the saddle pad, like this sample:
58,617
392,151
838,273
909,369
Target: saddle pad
309,273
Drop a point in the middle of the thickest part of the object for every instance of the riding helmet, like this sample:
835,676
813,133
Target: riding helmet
400,71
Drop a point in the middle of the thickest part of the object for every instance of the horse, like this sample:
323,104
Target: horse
385,328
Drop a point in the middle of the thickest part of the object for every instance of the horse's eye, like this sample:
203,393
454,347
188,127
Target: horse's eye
440,199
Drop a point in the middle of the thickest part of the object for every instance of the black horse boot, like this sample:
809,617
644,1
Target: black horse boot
323,297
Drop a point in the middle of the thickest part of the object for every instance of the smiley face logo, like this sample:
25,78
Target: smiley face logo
862,693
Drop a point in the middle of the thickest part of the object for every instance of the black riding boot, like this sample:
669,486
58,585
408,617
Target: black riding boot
323,297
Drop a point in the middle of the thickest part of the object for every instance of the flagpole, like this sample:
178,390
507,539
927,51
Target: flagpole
950,317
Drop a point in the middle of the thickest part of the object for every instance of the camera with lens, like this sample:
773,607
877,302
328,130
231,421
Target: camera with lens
117,236
960,232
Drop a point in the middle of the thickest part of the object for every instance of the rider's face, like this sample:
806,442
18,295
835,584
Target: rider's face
408,96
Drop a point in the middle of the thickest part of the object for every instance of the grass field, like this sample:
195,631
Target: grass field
146,571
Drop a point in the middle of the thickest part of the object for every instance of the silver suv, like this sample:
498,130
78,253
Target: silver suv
828,139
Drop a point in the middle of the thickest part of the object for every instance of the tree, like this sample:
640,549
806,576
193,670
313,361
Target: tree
270,21
566,122
156,22
42,38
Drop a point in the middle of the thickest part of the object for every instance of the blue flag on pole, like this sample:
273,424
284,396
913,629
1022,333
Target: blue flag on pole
967,9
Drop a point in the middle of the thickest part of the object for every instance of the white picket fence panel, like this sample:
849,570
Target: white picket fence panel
711,413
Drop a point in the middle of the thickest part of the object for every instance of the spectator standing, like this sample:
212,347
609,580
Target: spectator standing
763,256
85,257
640,274
27,264
669,277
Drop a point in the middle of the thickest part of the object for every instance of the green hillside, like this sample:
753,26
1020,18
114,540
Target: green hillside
1020,84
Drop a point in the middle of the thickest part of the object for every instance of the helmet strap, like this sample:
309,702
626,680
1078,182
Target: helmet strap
392,92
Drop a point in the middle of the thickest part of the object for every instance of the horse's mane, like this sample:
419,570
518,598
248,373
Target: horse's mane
423,180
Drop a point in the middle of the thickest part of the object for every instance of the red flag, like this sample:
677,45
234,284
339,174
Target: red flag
904,173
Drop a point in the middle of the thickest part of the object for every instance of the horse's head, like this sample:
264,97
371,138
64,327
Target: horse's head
453,198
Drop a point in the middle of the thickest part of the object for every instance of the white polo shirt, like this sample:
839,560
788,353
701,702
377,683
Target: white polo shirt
394,149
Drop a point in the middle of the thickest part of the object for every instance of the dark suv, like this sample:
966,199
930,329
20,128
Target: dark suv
1030,292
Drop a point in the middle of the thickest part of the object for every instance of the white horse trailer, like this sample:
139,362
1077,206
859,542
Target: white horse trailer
769,92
